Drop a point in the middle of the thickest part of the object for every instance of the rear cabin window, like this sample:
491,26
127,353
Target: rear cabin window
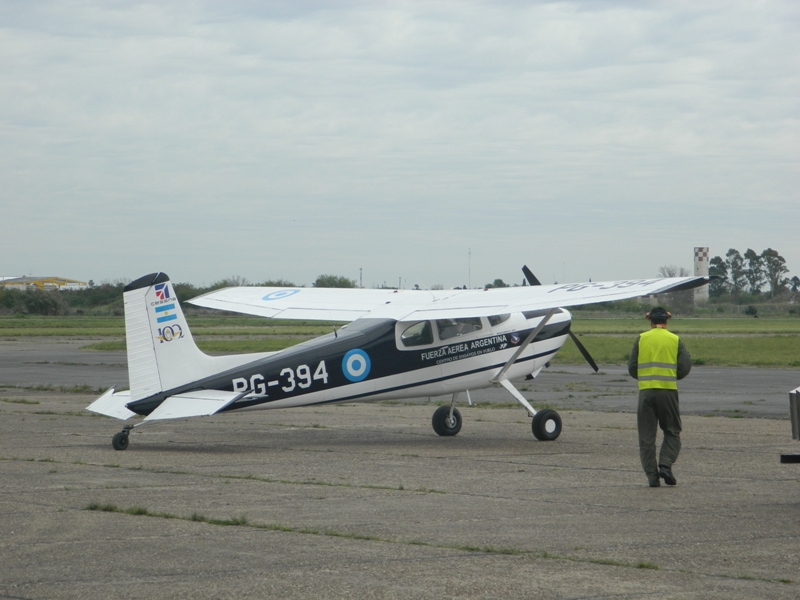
450,328
418,334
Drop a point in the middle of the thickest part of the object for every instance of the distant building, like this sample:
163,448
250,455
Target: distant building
701,270
42,283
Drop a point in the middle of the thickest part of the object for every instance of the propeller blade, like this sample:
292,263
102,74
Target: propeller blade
530,276
533,281
584,351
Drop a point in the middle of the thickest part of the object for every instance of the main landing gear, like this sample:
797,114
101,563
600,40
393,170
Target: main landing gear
120,440
546,424
446,420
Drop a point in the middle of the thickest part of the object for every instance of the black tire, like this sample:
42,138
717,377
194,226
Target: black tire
120,440
546,425
442,424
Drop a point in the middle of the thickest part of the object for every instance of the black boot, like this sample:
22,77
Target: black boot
665,473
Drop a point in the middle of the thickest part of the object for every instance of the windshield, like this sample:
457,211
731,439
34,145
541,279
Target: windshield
418,334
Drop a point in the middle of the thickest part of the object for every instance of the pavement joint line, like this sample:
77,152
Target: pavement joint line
243,521
249,477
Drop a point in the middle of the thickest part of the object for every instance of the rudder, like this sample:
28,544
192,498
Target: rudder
162,353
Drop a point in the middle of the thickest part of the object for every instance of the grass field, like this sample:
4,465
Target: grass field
684,326
711,341
764,342
223,325
712,350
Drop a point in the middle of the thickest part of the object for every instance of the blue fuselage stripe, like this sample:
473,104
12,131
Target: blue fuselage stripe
401,387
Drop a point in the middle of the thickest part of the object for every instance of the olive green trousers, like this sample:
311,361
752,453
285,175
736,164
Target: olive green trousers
658,408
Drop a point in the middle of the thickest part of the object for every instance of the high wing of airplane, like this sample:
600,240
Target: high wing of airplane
396,344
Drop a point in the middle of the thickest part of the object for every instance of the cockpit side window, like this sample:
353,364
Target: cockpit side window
418,334
450,328
495,320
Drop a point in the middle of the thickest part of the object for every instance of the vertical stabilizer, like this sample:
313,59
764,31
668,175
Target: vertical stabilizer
162,354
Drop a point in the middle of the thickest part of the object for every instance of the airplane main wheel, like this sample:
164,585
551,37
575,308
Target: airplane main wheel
546,425
120,440
443,424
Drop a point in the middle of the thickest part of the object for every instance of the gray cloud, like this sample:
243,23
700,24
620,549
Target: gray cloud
588,139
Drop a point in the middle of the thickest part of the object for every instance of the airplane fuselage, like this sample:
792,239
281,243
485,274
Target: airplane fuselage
383,359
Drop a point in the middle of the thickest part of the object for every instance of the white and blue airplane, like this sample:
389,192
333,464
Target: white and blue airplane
397,344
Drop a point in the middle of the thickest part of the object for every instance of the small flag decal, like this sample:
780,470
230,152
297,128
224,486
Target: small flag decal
164,312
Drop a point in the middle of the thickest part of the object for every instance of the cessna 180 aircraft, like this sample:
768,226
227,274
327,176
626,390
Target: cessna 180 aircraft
397,344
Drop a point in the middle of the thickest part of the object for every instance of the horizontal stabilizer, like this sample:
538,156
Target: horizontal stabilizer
201,403
112,404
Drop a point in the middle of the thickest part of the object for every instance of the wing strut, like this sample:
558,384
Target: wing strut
501,375
524,345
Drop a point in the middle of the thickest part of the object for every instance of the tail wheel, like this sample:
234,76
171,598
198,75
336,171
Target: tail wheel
443,423
546,425
120,440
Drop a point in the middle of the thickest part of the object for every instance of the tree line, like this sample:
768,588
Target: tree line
743,277
750,273
106,298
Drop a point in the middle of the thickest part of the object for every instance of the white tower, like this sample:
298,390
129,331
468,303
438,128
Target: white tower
701,269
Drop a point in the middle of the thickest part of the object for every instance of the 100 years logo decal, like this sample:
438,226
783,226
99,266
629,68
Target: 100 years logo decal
169,333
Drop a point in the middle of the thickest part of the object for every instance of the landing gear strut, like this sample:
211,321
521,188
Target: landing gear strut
120,440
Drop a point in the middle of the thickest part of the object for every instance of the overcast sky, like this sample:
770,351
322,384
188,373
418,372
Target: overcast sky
434,142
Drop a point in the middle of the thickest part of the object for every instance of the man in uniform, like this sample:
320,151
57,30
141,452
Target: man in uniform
658,360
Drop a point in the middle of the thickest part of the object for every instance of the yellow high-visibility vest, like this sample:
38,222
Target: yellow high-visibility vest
658,360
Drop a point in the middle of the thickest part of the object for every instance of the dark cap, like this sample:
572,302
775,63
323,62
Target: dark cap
658,315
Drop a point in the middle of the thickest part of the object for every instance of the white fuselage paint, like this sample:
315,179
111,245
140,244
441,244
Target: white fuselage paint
471,373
